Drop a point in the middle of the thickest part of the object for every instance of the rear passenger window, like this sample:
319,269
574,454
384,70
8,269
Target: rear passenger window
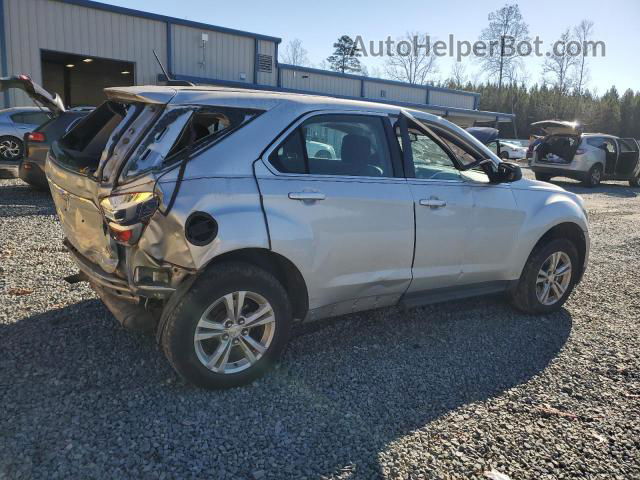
595,141
290,156
346,145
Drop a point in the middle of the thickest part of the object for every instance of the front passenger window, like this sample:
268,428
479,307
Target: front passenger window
431,162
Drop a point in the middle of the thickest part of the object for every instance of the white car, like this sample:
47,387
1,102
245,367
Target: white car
206,215
512,151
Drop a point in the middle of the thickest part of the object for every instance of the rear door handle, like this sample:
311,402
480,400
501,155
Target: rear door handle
433,203
307,196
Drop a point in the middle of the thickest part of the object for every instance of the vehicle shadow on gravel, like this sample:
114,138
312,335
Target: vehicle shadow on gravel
24,200
618,190
80,392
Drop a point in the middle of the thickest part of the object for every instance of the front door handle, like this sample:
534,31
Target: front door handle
433,203
312,196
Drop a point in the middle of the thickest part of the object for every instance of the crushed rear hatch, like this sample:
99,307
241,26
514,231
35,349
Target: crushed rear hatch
82,168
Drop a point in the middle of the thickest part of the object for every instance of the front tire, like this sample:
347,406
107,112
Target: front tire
594,177
548,277
229,328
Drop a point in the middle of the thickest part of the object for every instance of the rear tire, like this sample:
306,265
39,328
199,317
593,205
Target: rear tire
594,177
543,177
528,295
504,155
190,346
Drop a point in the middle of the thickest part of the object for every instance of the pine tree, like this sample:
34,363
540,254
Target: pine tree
345,56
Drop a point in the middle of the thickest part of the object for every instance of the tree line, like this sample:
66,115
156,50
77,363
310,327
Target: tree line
610,113
561,94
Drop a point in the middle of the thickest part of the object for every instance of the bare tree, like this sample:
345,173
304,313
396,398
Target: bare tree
560,62
458,75
412,65
295,53
582,33
375,72
505,31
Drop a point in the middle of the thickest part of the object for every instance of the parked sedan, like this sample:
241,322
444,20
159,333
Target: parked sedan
567,152
56,123
14,124
203,214
512,151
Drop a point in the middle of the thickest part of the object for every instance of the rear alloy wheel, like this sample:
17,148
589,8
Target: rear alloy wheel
229,328
594,177
234,332
10,148
548,277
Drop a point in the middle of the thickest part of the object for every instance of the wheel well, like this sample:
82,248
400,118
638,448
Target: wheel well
282,268
572,232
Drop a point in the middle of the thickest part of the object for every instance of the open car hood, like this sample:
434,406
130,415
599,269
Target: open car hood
558,127
38,94
484,135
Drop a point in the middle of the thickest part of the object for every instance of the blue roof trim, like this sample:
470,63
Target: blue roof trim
3,51
373,79
165,18
445,110
169,49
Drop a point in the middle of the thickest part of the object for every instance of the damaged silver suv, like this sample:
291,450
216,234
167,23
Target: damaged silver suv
218,217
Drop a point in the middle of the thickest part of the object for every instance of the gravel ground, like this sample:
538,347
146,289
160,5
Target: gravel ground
449,391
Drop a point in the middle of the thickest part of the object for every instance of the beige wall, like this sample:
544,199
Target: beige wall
32,25
224,57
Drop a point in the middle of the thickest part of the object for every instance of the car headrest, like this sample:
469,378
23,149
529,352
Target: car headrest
355,148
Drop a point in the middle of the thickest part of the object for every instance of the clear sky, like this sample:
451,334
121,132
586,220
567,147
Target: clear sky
319,24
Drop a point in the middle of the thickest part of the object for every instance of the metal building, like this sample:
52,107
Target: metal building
78,47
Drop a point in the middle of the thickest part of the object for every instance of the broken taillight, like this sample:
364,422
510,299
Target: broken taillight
127,214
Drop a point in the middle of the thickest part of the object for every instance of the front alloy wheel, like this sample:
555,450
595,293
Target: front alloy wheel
234,332
554,278
548,277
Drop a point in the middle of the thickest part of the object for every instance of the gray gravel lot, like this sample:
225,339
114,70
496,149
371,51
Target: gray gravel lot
448,391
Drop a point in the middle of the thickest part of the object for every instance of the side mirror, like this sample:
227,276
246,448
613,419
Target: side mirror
476,164
508,172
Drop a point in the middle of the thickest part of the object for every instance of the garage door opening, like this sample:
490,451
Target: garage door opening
79,80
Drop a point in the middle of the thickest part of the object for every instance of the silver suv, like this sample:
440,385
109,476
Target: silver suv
589,157
218,217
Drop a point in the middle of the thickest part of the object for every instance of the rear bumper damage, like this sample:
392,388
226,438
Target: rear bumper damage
127,302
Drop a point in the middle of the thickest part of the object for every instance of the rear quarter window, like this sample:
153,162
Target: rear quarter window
184,131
